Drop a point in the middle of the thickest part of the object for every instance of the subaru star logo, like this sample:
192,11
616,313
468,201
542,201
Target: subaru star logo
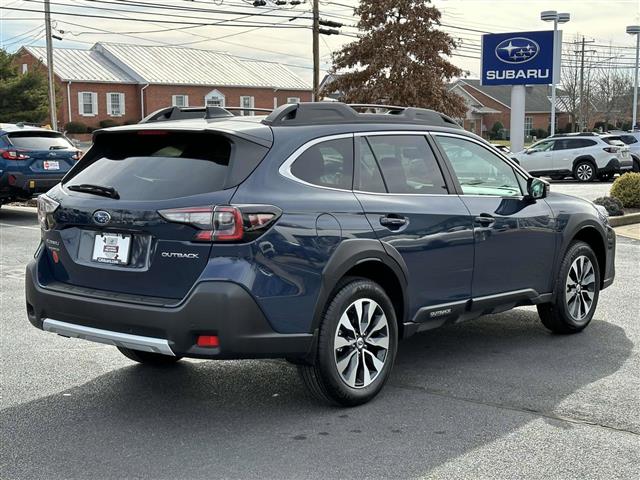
101,217
517,50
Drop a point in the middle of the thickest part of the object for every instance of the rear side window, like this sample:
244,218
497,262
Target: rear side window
327,164
408,164
39,140
159,165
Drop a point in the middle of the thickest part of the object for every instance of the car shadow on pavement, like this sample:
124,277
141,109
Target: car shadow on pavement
452,390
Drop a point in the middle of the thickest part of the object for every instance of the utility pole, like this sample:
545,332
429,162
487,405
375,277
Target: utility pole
584,102
52,87
582,86
316,50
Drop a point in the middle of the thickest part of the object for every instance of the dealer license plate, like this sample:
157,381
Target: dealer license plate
51,165
111,248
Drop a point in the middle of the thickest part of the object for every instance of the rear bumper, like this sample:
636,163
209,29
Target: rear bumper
217,308
612,166
21,185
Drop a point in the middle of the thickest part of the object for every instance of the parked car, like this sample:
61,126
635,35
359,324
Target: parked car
32,160
632,140
316,234
584,156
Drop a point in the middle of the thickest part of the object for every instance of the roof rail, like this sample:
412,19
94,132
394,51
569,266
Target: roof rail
184,113
575,134
295,114
206,112
242,109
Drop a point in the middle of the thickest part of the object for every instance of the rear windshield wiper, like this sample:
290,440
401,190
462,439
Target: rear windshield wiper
95,190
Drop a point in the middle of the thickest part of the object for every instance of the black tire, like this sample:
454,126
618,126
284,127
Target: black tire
323,377
557,177
584,171
149,358
605,177
559,315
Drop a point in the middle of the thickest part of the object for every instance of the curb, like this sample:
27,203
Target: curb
624,220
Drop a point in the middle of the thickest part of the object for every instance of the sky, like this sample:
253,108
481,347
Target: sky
282,33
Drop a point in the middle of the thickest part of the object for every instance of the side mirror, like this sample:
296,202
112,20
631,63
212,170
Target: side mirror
536,188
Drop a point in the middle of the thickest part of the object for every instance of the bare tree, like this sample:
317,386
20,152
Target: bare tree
612,86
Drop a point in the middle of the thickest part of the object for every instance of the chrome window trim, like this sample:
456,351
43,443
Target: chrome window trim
285,168
109,337
517,168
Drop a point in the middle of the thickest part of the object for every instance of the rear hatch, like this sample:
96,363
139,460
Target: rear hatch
110,231
47,153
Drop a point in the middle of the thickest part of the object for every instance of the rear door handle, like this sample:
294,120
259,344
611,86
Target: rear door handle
485,219
393,222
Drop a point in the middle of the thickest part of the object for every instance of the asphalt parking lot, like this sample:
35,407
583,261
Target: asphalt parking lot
498,397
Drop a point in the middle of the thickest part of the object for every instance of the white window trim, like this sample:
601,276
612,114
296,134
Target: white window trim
94,104
215,94
530,119
275,102
25,68
109,112
252,104
293,99
185,99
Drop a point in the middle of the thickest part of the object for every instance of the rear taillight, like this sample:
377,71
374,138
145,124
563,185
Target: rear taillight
46,206
611,149
14,155
229,223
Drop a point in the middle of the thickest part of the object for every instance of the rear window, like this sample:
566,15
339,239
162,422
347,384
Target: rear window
39,140
159,165
617,141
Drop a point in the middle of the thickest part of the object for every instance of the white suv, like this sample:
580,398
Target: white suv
584,156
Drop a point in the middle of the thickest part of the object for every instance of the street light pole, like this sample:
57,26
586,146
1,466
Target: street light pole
316,50
635,30
548,16
52,87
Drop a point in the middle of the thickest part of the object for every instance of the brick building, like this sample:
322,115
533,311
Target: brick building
124,83
490,104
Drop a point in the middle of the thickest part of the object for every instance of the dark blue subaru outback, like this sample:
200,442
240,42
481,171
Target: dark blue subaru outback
321,233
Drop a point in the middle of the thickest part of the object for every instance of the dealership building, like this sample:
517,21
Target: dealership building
488,104
124,83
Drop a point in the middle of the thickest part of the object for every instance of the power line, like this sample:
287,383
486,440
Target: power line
173,22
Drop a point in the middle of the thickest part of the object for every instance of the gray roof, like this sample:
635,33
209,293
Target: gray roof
81,65
537,96
117,63
188,66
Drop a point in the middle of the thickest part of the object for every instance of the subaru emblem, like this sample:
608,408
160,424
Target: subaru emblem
101,217
517,50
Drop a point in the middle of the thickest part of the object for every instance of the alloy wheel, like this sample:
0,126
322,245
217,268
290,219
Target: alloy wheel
584,171
361,343
580,288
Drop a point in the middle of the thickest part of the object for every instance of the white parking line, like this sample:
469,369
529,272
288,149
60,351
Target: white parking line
18,226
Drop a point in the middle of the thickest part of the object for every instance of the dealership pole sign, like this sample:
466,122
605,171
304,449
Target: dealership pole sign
521,58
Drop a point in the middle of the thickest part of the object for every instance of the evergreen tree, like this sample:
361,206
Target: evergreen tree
400,58
23,97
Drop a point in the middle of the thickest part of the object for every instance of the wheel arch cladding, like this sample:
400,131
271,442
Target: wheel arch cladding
365,258
592,237
583,158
